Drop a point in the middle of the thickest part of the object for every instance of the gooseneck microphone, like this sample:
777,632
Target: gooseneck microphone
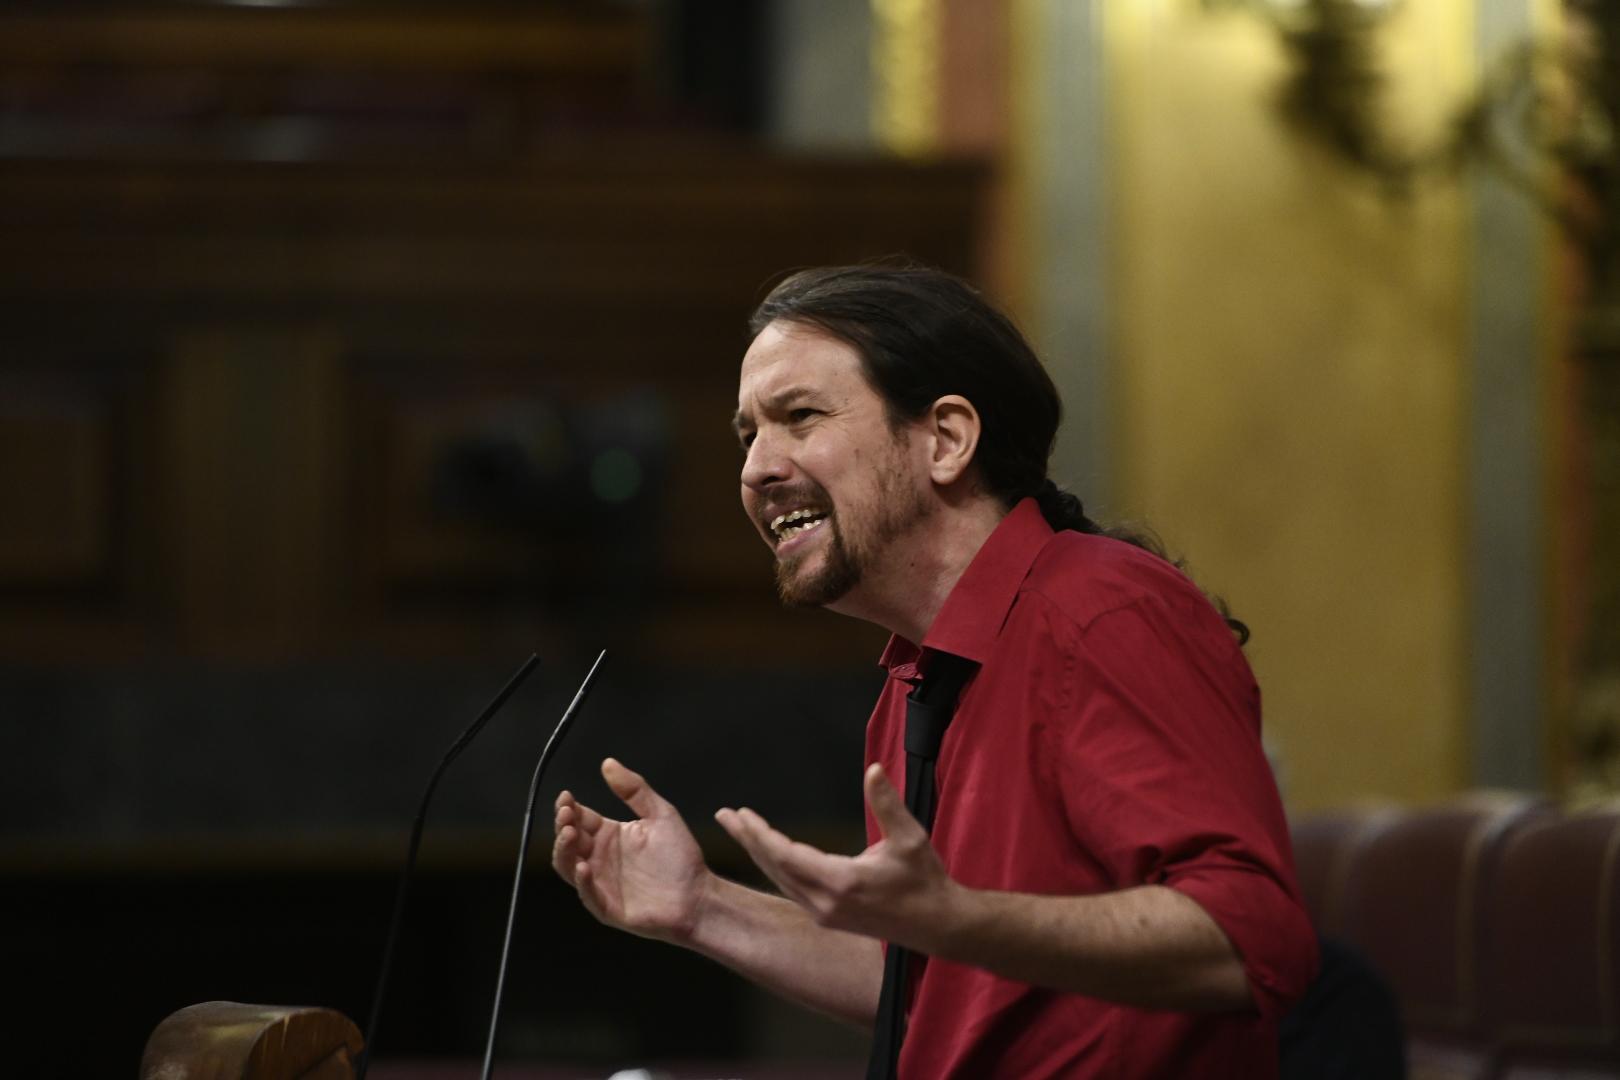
416,842
523,852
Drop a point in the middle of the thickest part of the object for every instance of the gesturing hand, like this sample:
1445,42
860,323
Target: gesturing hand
646,876
896,890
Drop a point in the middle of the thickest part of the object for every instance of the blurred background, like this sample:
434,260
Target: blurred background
352,350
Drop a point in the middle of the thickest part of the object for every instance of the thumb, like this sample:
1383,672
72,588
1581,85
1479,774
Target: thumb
888,808
633,789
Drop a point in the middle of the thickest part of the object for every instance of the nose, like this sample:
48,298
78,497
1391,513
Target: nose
764,464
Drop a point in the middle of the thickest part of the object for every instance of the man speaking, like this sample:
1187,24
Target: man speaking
1088,872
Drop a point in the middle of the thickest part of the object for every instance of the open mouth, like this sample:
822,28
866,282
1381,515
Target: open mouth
796,523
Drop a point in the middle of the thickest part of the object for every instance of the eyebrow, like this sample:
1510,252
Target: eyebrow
775,403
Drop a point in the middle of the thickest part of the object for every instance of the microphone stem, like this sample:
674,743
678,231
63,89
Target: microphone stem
506,943
404,888
523,854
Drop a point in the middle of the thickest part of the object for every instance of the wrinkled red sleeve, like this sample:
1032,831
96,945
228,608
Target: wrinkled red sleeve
1164,780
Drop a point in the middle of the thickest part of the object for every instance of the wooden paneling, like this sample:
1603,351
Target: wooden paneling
252,459
300,82
72,474
57,483
622,230
326,336
554,36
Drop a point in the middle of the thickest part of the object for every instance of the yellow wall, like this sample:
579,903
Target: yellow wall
1288,361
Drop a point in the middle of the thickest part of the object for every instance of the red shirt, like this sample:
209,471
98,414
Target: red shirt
1110,738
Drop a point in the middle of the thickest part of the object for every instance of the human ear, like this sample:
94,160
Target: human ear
953,429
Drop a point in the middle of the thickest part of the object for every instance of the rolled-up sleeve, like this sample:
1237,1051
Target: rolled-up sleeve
1162,776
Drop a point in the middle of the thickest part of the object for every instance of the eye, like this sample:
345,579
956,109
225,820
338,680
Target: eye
745,439
799,416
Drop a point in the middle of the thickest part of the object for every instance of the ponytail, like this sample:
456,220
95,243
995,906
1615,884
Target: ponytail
1063,510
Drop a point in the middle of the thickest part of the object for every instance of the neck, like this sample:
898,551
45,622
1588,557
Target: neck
904,594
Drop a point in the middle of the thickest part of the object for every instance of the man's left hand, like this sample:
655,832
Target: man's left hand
896,890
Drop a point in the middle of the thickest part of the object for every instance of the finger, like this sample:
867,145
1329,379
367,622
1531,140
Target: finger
888,808
742,831
581,842
585,822
803,873
589,895
633,789
810,867
588,821
734,827
761,832
564,857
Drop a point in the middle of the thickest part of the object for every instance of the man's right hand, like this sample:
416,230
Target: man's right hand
646,876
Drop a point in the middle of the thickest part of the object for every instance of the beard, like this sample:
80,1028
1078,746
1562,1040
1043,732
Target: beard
848,557
839,573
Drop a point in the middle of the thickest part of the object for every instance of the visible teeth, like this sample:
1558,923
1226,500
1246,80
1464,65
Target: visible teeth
788,525
796,515
794,530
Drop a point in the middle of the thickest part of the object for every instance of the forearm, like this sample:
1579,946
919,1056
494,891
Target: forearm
773,942
1150,946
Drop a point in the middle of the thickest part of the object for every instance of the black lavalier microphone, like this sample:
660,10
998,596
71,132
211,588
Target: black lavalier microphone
523,852
416,842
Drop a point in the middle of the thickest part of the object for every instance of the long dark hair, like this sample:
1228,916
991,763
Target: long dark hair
921,334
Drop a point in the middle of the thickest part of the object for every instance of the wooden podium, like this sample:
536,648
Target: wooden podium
226,1040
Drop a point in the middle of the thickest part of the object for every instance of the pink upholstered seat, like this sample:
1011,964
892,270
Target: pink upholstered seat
1550,971
1412,902
1324,847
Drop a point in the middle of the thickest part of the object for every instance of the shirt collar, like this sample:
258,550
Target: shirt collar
972,615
